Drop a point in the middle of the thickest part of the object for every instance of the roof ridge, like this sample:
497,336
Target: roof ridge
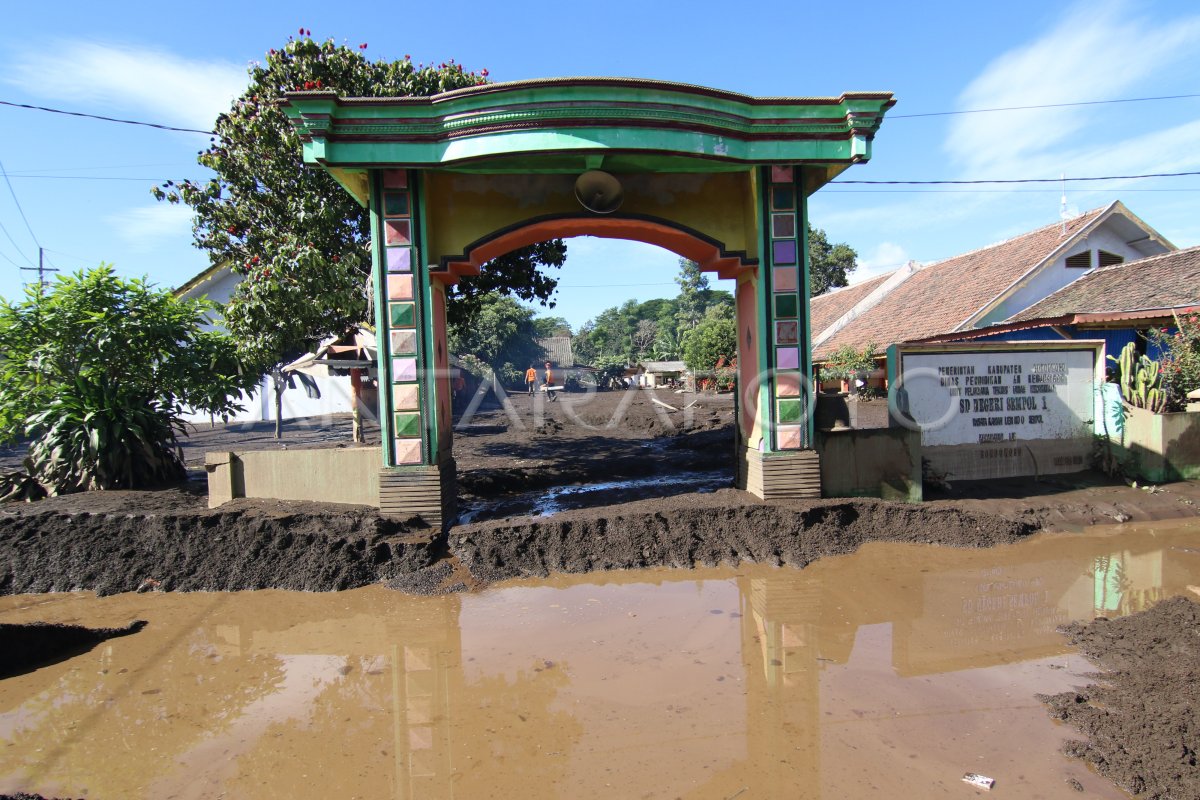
1011,239
863,282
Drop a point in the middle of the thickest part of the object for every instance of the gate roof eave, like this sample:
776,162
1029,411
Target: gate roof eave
567,125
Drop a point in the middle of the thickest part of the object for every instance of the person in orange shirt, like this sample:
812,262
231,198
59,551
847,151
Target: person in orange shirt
531,379
553,397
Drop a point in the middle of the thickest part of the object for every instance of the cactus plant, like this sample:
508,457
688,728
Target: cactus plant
1141,380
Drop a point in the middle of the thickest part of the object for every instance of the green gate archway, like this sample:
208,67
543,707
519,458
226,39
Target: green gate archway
456,179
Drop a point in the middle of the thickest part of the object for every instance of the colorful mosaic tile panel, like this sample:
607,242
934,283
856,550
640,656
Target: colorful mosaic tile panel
395,204
786,305
406,451
785,279
395,179
787,384
406,397
783,252
783,198
402,315
790,411
783,174
400,287
787,332
787,357
790,437
783,226
404,369
404,343
397,232
399,259
407,425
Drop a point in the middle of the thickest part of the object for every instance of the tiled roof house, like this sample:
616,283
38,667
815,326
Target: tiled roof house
1152,286
983,286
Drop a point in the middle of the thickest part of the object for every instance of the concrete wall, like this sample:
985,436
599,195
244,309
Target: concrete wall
332,475
880,462
1162,447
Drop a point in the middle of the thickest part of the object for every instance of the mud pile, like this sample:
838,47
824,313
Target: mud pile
1141,723
321,547
310,546
725,526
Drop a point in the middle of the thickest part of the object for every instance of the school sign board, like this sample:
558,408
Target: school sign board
999,409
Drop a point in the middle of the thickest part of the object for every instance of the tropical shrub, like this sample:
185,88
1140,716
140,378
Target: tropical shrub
95,372
1180,359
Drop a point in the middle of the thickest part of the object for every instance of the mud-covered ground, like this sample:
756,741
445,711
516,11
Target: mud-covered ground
510,459
1140,717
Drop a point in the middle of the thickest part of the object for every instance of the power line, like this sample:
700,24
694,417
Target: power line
15,245
1045,105
1022,180
84,178
162,127
107,119
9,260
13,192
87,167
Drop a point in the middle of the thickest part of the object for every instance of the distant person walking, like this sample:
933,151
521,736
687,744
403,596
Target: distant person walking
531,379
550,393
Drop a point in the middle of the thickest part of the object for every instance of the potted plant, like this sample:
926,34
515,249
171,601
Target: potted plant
851,367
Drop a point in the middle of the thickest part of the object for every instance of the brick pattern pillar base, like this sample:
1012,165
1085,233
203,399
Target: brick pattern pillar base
780,476
429,492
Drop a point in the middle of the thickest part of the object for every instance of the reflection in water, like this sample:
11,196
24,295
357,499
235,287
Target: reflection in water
893,670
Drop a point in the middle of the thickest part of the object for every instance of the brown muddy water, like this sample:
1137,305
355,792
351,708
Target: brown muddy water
887,673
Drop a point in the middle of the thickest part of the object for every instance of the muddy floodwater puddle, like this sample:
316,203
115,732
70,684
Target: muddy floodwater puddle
888,673
552,500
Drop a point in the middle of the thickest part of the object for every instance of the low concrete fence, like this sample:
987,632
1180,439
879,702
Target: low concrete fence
874,462
333,475
1162,447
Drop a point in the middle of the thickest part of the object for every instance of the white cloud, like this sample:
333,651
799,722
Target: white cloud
166,87
1098,52
884,257
150,226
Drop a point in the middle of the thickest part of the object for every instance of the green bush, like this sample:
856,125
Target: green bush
95,372
1180,361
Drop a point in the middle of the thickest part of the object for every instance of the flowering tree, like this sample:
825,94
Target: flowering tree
299,238
1180,362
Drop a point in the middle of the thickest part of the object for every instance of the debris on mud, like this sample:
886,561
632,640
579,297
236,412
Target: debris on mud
24,648
1140,718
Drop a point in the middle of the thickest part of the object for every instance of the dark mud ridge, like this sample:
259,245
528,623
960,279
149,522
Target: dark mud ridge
311,547
690,530
1141,718
328,548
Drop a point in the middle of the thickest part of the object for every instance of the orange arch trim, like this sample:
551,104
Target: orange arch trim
708,254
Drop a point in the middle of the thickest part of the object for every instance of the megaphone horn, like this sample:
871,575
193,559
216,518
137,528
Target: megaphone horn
599,192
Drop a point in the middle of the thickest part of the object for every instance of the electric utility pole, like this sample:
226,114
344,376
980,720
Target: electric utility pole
41,268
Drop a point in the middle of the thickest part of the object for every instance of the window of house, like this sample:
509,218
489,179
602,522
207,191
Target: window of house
1107,259
1080,260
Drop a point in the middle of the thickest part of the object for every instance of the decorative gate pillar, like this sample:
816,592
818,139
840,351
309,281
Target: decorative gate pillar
459,178
414,398
776,461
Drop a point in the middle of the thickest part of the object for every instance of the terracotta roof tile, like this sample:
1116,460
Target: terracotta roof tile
939,297
826,309
1167,281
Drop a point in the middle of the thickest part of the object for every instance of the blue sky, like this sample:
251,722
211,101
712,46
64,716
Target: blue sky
84,185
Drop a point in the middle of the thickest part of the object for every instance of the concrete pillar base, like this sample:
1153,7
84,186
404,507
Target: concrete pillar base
429,492
790,475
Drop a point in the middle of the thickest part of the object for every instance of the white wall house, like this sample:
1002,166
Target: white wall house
217,284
